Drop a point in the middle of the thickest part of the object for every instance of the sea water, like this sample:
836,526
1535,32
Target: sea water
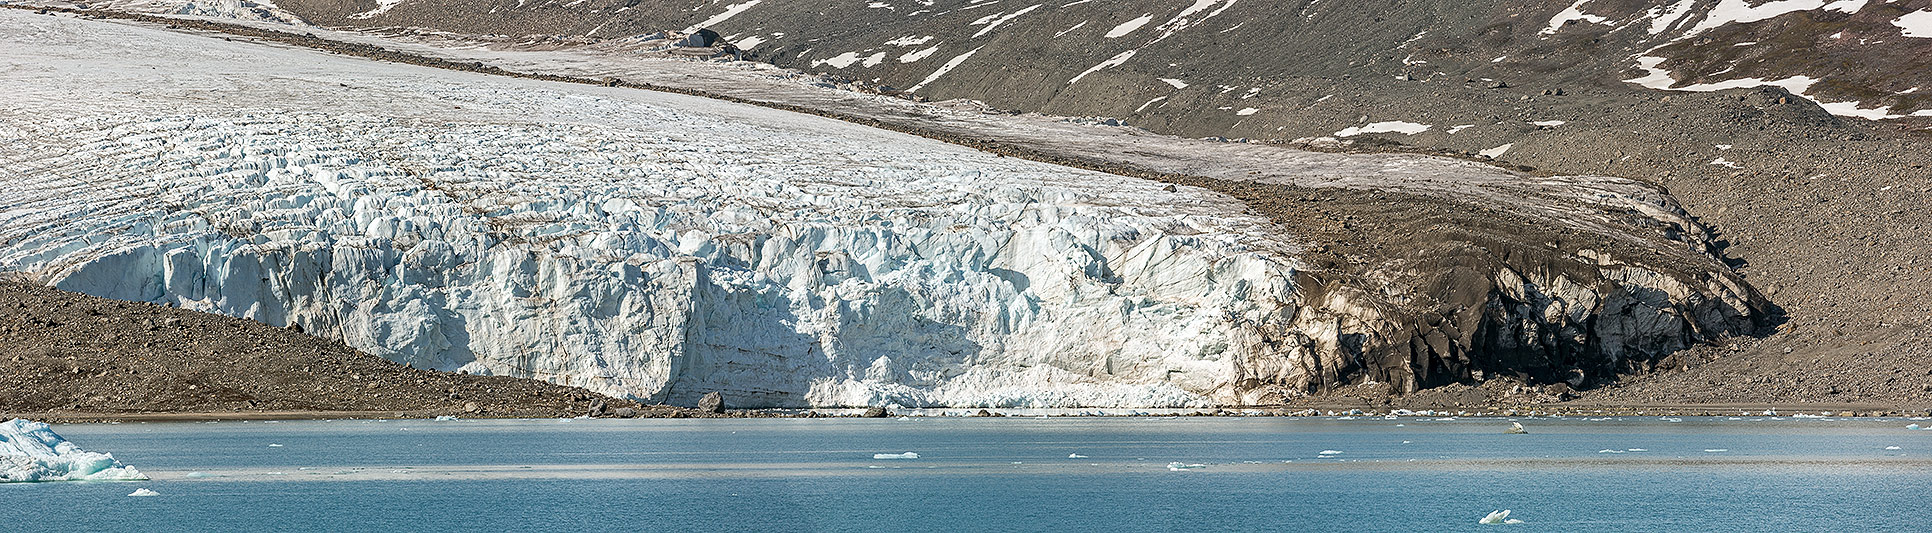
999,474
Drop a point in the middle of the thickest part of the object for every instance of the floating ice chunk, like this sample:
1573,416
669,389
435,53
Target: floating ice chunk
1076,456
1892,448
1716,450
1637,450
1330,452
143,492
31,451
446,418
1498,517
273,445
1179,466
1516,428
1609,451
1913,427
907,455
199,474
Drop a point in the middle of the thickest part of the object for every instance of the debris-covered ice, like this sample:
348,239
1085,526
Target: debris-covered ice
31,451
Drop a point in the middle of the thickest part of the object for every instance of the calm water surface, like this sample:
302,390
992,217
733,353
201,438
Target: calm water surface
1008,474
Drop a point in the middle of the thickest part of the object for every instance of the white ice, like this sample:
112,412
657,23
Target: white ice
31,451
143,492
907,455
1498,518
636,243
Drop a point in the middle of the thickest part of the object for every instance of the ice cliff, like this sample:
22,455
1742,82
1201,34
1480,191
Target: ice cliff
31,451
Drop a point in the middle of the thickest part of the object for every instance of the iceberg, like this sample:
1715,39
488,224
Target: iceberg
907,455
1499,517
1076,456
1178,466
143,492
1516,428
1913,427
31,451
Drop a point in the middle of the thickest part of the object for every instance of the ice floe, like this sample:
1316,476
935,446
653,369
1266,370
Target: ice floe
31,451
907,455
1498,518
1178,466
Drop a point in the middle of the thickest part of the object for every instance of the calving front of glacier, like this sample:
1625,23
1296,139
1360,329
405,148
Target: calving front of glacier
664,265
647,245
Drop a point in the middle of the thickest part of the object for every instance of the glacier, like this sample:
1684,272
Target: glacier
650,245
30,451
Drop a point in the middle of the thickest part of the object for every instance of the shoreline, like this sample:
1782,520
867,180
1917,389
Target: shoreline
1787,410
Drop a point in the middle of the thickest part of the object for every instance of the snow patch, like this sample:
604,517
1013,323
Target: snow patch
1178,84
1574,12
996,22
916,55
31,452
943,69
748,42
1915,24
1250,111
909,41
1115,61
382,6
1392,126
1128,27
730,11
1496,152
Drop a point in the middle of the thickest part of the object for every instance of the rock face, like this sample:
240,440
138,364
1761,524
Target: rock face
712,402
660,246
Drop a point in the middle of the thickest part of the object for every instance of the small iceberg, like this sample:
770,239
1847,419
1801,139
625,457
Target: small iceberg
907,455
273,445
31,451
1330,452
1913,427
1178,466
1892,448
1716,450
1516,428
1076,456
143,493
1498,517
446,418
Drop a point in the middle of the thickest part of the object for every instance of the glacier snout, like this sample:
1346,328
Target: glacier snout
640,260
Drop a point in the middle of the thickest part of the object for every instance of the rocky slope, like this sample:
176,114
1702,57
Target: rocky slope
1752,116
71,356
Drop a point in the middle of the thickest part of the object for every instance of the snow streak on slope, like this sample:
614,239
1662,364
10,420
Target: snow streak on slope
638,243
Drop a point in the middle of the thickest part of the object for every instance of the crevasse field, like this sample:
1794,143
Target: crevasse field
631,242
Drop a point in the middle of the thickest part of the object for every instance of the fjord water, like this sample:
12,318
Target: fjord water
1001,474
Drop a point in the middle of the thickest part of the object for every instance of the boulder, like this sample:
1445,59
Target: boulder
877,412
712,402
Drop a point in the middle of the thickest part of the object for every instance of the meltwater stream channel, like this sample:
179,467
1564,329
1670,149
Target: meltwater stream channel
1000,474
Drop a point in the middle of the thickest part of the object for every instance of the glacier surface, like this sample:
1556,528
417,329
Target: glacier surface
31,451
643,244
